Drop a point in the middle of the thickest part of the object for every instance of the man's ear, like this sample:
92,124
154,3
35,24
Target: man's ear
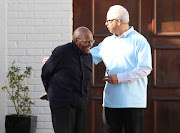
119,21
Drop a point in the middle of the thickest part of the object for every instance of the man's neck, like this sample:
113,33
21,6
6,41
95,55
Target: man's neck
123,28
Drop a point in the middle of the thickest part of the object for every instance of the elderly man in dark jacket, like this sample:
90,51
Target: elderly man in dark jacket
66,76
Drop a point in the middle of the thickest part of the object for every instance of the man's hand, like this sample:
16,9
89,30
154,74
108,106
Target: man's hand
44,97
45,59
111,79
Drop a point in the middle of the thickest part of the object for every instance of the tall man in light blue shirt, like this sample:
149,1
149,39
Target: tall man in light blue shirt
127,57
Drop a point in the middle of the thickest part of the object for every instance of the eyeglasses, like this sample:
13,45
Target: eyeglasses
110,20
89,42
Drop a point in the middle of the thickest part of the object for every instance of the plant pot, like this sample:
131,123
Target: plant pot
20,124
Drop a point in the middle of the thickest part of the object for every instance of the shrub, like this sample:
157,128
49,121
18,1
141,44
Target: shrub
19,93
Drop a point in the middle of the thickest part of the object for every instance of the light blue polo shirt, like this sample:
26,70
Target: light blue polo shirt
122,54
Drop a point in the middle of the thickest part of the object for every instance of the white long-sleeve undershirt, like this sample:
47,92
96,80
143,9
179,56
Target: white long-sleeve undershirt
133,75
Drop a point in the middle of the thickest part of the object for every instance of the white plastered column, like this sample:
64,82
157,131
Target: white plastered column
3,44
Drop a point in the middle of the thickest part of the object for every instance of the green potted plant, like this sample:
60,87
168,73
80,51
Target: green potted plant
22,121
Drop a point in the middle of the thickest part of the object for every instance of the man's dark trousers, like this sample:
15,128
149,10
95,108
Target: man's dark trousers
117,118
70,118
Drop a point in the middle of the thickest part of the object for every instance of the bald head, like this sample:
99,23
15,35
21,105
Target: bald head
83,38
80,32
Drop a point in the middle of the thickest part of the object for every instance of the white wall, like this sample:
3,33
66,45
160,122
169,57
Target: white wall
34,28
2,62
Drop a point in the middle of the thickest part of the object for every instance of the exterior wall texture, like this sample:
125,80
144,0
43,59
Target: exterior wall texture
34,28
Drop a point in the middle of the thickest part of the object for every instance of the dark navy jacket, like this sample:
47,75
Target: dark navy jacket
66,75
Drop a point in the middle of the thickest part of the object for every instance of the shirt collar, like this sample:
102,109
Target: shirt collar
131,29
76,47
126,33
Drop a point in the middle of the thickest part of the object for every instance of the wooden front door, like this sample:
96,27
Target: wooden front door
159,22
